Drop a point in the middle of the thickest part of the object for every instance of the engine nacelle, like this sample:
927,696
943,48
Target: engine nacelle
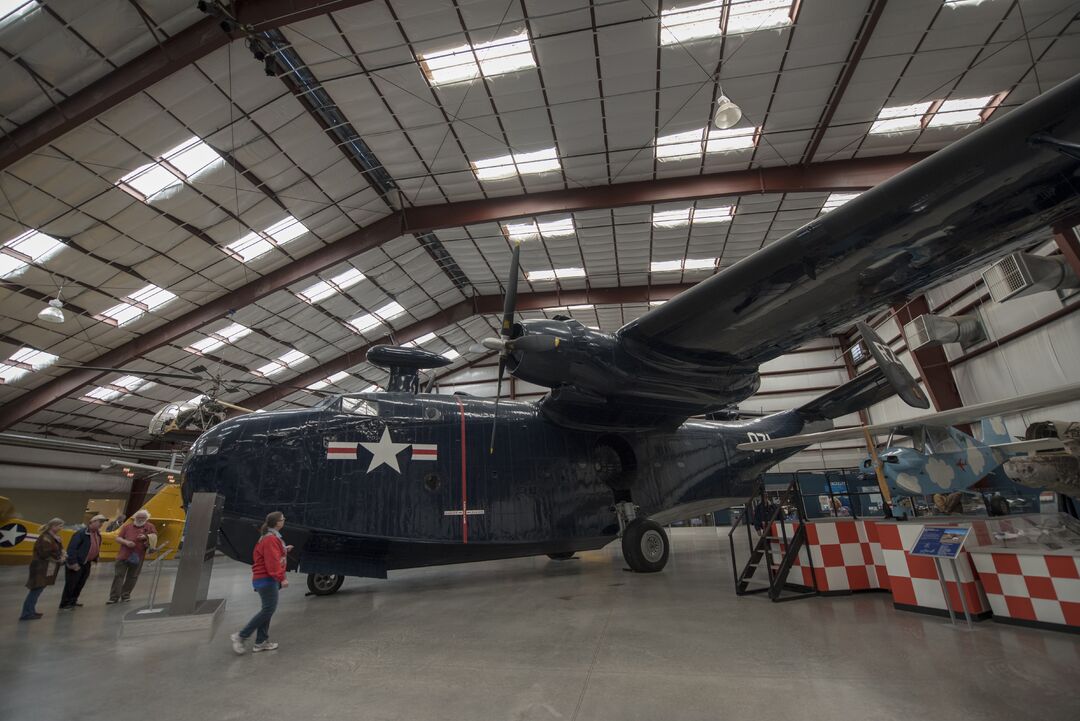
580,359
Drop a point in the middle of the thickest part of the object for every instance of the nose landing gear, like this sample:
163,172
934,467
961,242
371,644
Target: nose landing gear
645,545
324,584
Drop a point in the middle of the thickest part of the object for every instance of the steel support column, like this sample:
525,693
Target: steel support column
931,362
1068,242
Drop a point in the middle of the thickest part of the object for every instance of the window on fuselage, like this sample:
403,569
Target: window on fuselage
360,407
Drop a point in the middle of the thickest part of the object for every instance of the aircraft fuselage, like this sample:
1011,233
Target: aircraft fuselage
395,480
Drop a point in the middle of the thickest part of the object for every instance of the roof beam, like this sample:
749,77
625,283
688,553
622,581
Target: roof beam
165,58
858,174
479,305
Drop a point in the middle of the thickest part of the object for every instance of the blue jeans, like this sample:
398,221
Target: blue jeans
29,607
261,621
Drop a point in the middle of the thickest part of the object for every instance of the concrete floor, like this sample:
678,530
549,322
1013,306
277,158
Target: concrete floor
535,639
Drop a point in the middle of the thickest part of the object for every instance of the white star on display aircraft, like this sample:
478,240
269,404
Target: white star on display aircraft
385,452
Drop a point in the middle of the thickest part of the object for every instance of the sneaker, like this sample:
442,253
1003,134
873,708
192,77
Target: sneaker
67,608
112,601
265,646
125,599
238,644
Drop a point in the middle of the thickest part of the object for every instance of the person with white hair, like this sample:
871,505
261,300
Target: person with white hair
135,539
45,564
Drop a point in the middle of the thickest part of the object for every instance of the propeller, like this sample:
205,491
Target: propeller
503,341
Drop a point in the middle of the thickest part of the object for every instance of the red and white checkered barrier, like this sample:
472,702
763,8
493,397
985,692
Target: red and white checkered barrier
867,554
1031,588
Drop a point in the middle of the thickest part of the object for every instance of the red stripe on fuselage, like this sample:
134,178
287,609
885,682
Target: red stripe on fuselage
464,487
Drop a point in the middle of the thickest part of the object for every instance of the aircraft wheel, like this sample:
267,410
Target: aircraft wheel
645,546
324,584
561,556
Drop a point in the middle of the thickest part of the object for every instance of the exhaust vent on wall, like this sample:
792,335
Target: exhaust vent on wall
1020,274
933,330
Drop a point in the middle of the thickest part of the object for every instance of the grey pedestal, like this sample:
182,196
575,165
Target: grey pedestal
157,621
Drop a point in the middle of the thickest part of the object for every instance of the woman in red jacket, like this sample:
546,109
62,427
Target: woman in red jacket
267,576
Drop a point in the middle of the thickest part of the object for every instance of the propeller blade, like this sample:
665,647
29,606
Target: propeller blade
477,349
137,372
510,301
534,343
495,344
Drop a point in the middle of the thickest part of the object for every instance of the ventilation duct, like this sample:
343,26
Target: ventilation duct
1020,274
933,330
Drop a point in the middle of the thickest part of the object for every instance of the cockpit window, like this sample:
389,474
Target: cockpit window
892,459
360,406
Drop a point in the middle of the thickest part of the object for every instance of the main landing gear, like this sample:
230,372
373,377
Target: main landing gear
324,584
645,545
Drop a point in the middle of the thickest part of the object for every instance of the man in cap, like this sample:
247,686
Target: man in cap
82,550
135,539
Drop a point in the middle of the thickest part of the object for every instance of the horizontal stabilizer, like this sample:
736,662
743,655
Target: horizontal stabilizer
967,414
1039,444
899,378
861,392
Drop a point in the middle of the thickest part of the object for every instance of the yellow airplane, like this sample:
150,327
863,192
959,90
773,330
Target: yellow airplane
17,536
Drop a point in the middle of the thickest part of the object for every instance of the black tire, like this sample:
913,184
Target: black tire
561,555
645,546
324,584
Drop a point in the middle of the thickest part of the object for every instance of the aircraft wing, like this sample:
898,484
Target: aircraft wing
967,414
954,211
1039,444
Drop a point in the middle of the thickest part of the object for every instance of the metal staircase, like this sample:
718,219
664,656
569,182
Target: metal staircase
768,547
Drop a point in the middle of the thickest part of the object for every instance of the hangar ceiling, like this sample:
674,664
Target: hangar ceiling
178,197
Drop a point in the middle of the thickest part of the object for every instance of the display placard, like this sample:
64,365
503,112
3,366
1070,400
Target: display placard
940,541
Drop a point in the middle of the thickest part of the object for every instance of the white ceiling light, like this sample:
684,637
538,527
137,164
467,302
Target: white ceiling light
52,313
727,113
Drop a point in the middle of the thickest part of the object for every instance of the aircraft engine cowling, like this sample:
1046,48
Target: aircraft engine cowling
576,355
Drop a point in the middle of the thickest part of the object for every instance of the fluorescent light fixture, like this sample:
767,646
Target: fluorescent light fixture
532,229
216,339
692,143
962,111
30,247
555,273
254,245
326,288
468,62
507,166
119,387
367,321
23,361
835,200
136,305
329,380
693,22
900,118
288,360
685,264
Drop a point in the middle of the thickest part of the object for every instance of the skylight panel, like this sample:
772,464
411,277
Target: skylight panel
555,273
24,361
747,16
29,247
427,337
507,166
192,157
680,25
288,360
671,218
691,144
468,62
835,200
585,306
329,380
119,387
137,304
962,111
150,179
654,303
12,10
962,3
253,245
713,215
324,289
367,321
532,229
228,334
900,119
451,355
683,264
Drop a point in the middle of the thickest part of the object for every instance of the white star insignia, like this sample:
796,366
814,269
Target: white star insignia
385,452
11,535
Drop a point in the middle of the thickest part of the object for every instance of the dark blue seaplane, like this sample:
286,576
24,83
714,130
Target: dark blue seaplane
375,482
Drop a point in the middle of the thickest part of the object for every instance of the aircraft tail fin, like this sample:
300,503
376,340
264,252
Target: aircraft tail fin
7,509
994,431
166,503
861,392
